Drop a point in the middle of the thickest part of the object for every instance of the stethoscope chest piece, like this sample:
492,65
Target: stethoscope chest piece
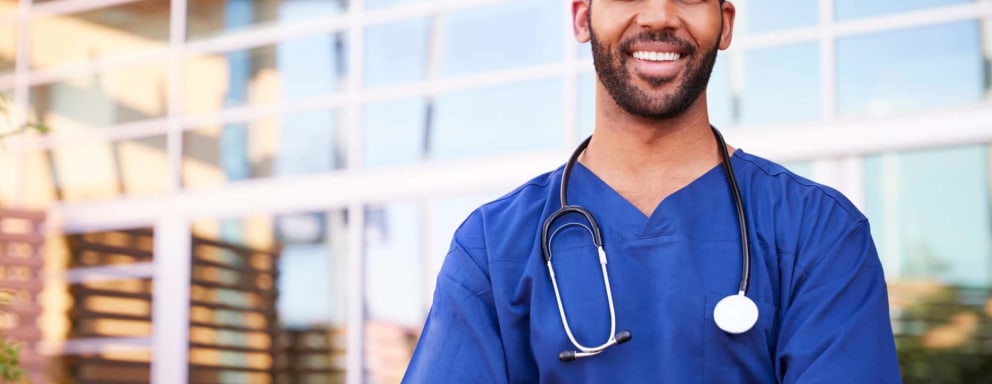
735,314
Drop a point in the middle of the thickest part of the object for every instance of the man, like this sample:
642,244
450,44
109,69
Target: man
652,177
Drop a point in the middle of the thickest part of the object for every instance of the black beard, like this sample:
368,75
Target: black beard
612,72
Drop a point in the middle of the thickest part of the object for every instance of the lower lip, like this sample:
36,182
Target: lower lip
657,69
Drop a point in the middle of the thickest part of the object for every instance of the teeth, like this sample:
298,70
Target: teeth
657,56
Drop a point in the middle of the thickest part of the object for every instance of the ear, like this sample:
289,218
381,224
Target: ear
727,32
580,20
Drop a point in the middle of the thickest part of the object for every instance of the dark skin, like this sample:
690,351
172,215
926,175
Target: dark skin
647,156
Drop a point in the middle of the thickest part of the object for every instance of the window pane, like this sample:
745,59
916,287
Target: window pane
8,46
207,18
89,102
8,5
719,93
930,214
296,144
476,123
772,15
396,282
781,84
101,170
587,104
909,70
252,270
119,30
271,74
394,132
508,35
396,53
850,9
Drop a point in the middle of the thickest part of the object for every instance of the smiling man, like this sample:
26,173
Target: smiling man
659,253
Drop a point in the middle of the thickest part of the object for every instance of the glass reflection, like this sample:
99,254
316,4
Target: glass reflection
395,132
123,29
8,46
930,211
930,218
781,84
719,94
772,15
295,144
475,123
479,39
268,299
850,9
100,170
85,103
395,288
287,71
587,104
208,18
397,53
910,70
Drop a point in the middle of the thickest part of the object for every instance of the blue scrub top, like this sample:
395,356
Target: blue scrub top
815,276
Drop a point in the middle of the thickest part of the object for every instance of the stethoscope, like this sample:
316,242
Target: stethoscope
734,314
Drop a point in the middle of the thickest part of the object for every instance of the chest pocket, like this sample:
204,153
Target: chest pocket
741,358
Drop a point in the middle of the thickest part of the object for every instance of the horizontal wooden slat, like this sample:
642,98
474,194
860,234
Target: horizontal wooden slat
80,246
230,348
229,327
33,285
266,293
246,268
33,238
34,262
85,314
84,291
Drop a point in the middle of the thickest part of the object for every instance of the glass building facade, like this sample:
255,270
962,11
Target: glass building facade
288,173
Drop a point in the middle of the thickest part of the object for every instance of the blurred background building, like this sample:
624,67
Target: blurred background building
263,191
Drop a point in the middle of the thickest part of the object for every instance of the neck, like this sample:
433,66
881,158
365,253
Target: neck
646,160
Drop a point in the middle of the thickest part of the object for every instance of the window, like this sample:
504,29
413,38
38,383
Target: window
272,74
508,35
929,211
909,70
498,120
208,18
851,9
781,84
125,29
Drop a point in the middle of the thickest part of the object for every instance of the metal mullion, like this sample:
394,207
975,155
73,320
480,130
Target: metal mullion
119,132
828,62
262,36
174,140
19,109
355,339
415,10
56,8
920,18
570,82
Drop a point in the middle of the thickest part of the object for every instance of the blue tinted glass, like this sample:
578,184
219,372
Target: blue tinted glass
850,9
930,214
910,69
804,169
781,84
771,15
394,132
719,94
395,264
587,104
309,143
508,35
396,53
498,120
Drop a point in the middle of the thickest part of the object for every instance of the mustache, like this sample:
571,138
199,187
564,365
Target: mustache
665,36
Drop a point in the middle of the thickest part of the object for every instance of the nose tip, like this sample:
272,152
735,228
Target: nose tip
658,14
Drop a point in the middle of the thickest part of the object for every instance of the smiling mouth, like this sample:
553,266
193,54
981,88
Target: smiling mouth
656,56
